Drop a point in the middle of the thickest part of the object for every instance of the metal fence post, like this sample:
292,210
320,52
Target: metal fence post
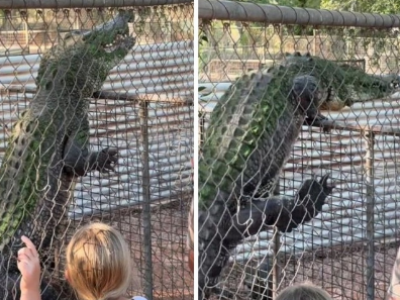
370,189
276,273
146,213
202,119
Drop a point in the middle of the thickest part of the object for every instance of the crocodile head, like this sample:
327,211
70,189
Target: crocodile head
82,60
342,85
305,89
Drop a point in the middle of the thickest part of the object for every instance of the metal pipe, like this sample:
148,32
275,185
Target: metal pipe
370,189
134,97
276,272
54,4
274,14
165,48
146,213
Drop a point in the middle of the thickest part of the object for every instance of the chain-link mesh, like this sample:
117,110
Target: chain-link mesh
126,85
252,100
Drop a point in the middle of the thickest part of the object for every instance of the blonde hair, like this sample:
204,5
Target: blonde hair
305,291
98,263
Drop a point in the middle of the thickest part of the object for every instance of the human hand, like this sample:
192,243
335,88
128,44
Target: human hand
29,266
191,261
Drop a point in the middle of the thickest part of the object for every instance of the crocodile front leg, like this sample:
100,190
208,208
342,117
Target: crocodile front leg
77,158
283,212
320,121
219,235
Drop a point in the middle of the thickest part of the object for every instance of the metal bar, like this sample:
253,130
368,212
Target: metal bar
332,251
146,214
242,253
25,70
370,189
201,129
135,98
276,272
36,4
377,129
274,14
166,48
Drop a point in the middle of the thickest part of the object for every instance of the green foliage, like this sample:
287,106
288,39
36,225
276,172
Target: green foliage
293,3
369,6
203,43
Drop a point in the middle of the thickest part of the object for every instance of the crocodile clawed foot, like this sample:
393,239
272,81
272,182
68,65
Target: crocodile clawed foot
106,160
320,121
328,188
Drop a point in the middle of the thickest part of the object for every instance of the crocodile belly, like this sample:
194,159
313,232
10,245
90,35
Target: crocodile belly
264,165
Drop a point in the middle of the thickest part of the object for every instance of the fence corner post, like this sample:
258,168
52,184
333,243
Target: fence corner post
370,214
146,213
276,272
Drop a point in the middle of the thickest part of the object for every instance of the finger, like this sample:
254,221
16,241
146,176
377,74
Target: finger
105,171
112,152
332,185
23,257
114,159
24,251
30,246
28,243
324,179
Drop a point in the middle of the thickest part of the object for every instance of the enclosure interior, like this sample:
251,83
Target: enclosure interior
343,244
147,115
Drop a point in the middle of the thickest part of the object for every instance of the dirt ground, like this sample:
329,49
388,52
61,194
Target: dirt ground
342,273
171,276
345,277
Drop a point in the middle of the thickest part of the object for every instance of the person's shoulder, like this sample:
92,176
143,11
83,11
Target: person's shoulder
138,298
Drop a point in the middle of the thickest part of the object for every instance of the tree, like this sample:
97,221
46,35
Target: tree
292,3
366,6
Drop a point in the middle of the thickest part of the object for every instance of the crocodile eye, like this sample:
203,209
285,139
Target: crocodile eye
376,85
72,33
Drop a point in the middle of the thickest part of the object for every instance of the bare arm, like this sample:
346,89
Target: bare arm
29,266
394,288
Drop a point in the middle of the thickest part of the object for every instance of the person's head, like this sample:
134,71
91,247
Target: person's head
98,263
304,291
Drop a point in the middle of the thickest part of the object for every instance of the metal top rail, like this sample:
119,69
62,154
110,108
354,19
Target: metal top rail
33,4
274,14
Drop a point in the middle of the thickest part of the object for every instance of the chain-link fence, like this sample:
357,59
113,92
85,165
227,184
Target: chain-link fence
254,99
132,79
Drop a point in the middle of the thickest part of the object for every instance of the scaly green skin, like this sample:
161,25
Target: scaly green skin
49,146
251,134
229,148
348,85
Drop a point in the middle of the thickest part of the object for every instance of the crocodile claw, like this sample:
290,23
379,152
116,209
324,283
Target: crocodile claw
106,160
310,199
324,183
320,121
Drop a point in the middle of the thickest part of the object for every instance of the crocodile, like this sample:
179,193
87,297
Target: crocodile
48,150
251,134
357,86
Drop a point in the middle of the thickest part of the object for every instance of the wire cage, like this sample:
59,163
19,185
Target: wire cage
350,247
144,109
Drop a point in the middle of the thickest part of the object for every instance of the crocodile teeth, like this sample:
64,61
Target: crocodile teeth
119,38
